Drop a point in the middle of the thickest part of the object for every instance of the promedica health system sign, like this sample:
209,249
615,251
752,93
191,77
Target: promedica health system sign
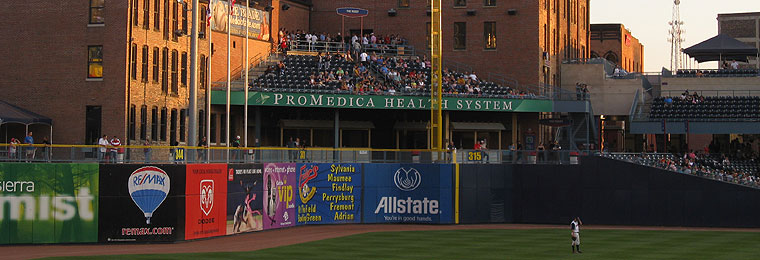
280,189
329,193
383,102
205,201
142,203
408,193
48,203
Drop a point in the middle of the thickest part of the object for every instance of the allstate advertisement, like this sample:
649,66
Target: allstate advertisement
48,203
206,201
329,193
142,203
408,193
245,189
279,195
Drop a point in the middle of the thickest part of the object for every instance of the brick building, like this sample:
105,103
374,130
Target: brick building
112,68
616,44
744,27
523,40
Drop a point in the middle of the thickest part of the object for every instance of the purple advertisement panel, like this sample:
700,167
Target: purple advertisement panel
279,199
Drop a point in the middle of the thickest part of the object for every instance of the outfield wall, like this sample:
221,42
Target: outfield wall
112,203
602,192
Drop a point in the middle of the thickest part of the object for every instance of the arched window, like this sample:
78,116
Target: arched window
612,57
594,55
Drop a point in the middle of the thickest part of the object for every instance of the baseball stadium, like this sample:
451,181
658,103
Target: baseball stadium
409,129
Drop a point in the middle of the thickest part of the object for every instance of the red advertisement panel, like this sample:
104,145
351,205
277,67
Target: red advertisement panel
206,200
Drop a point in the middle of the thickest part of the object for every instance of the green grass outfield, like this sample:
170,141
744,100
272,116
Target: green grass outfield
504,244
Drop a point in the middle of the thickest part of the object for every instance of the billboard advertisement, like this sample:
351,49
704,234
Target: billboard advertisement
258,20
245,189
48,203
408,193
329,193
205,201
142,203
279,195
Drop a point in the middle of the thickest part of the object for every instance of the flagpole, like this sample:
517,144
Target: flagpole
208,81
227,110
245,86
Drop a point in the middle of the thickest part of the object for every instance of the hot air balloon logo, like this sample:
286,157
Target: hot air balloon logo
148,187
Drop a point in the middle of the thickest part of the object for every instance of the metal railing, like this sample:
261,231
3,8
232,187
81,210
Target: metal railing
711,93
187,154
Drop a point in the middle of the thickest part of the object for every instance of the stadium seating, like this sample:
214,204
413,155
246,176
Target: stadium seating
741,108
692,73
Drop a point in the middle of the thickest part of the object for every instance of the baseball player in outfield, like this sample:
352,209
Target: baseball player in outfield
575,234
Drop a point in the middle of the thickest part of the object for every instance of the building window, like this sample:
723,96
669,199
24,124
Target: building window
184,19
460,3
173,129
143,122
155,64
175,20
135,13
460,36
212,138
428,30
165,70
145,63
403,3
175,88
489,35
133,62
95,61
202,23
489,3
97,11
156,15
201,125
146,14
223,126
166,19
154,123
163,124
132,115
182,118
183,69
202,69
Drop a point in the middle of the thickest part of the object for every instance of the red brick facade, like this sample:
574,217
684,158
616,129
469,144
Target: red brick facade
616,44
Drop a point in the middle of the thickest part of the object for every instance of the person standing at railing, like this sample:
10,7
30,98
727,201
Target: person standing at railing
12,149
46,150
29,140
236,149
146,150
103,143
451,151
115,147
202,151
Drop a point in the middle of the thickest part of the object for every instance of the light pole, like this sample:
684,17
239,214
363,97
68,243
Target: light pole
192,138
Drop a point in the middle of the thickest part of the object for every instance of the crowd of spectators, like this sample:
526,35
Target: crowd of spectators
718,167
289,39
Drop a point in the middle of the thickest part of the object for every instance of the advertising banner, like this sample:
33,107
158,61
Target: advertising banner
245,189
329,193
382,102
48,203
205,201
258,20
408,193
279,193
142,203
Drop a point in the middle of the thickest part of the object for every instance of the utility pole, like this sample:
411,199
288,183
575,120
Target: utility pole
192,139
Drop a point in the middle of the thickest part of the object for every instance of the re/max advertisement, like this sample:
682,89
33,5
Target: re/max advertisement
142,203
329,193
408,193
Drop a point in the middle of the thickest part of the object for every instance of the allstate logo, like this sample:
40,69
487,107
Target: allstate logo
148,187
407,180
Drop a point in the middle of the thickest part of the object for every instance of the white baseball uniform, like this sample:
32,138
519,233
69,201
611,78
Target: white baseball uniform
575,232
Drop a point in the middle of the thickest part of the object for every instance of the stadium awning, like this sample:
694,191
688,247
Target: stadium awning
325,124
10,113
721,47
477,126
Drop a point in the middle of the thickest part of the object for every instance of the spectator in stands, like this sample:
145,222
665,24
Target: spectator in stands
29,141
146,149
734,65
46,149
668,101
281,68
450,150
115,146
12,149
103,143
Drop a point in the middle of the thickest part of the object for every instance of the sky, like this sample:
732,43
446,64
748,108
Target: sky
648,21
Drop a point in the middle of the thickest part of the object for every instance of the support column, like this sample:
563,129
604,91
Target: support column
336,134
515,136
